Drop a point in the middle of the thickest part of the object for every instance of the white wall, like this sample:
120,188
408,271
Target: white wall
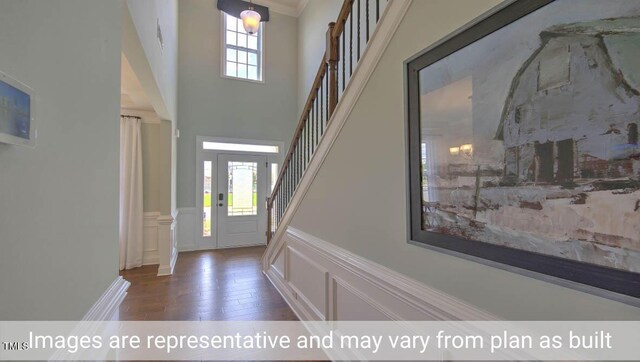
59,200
146,15
358,199
210,105
312,37
156,66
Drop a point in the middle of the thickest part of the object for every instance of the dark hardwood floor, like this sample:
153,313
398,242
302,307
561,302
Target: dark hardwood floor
222,284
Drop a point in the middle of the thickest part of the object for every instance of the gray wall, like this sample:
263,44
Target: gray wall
59,200
150,166
156,167
210,105
312,37
358,199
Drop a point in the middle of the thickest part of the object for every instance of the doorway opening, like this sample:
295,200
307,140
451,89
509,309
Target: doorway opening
235,178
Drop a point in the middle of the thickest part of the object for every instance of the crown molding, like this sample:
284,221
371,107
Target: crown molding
283,9
301,6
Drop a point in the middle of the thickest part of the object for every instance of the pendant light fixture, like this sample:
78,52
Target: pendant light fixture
250,20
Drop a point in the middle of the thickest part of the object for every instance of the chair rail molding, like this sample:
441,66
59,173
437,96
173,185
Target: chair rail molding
322,281
106,307
380,39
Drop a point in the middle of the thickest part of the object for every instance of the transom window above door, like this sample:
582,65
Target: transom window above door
242,52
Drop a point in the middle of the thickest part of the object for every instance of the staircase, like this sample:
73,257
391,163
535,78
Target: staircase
346,46
299,265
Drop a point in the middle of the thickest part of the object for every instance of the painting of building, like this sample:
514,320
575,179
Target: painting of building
546,157
571,112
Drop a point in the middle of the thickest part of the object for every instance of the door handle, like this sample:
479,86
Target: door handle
220,198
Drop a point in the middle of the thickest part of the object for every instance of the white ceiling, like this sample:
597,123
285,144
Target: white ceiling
287,7
132,95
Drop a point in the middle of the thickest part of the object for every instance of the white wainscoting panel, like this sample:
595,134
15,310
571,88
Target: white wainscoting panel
187,224
150,238
309,282
159,240
354,305
322,281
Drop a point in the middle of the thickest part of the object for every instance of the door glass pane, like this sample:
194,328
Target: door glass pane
206,213
243,184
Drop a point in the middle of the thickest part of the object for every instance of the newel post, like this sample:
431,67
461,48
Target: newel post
333,55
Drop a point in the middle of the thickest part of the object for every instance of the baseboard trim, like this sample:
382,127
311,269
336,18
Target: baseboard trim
288,295
185,248
107,305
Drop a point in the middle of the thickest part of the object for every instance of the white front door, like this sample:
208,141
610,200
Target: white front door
241,200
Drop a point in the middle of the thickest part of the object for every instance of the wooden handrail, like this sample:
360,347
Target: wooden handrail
320,104
345,11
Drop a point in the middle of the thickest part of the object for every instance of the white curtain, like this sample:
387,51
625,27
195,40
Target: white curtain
131,209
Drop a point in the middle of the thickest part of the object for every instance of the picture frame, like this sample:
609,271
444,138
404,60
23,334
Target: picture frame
17,112
485,184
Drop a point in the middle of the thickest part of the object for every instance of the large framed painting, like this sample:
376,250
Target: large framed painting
523,141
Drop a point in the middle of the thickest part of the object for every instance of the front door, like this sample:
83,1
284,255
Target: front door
240,200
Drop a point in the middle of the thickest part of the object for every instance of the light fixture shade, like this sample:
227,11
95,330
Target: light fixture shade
250,21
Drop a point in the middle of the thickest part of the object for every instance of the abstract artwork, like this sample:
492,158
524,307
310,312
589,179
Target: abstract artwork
524,145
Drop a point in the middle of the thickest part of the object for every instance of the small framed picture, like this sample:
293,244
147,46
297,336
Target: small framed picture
16,112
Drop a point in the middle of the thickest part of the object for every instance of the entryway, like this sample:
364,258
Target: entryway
234,178
242,184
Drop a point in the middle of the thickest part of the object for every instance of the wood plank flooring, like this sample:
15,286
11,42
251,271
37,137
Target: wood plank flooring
225,284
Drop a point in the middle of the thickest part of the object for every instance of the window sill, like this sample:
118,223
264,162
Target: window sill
243,79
